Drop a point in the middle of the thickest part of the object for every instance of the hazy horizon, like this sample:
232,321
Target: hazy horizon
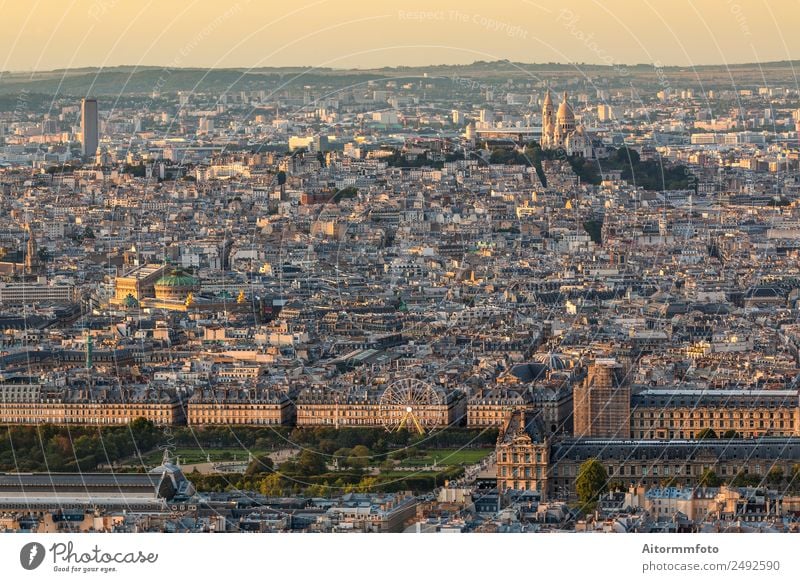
360,35
145,66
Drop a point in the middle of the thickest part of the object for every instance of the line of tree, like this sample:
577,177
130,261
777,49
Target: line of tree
59,448
650,174
710,433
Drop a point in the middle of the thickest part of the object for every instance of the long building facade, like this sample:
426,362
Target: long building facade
322,407
235,406
528,461
490,408
35,404
674,414
680,463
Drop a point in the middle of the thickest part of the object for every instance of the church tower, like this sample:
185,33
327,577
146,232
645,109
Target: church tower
548,121
32,263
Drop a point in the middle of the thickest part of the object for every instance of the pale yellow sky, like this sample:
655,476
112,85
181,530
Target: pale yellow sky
47,34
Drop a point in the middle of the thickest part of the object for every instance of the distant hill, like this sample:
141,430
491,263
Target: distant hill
130,80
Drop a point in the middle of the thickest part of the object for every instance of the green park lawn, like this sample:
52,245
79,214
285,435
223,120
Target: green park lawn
191,456
448,457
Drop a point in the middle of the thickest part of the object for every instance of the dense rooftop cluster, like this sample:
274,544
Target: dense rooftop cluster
409,255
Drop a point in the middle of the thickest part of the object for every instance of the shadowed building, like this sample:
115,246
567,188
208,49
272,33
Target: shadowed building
90,133
32,262
679,463
24,261
55,502
525,461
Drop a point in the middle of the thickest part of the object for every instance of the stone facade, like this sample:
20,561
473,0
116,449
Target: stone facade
602,402
672,414
232,406
523,455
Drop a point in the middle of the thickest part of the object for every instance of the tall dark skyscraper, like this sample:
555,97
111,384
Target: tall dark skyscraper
90,134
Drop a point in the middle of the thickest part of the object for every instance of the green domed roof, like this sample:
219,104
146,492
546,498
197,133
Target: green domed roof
177,278
130,301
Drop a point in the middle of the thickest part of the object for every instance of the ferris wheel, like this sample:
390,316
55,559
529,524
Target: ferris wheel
409,403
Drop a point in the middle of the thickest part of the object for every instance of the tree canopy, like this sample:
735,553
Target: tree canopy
709,479
707,433
591,483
